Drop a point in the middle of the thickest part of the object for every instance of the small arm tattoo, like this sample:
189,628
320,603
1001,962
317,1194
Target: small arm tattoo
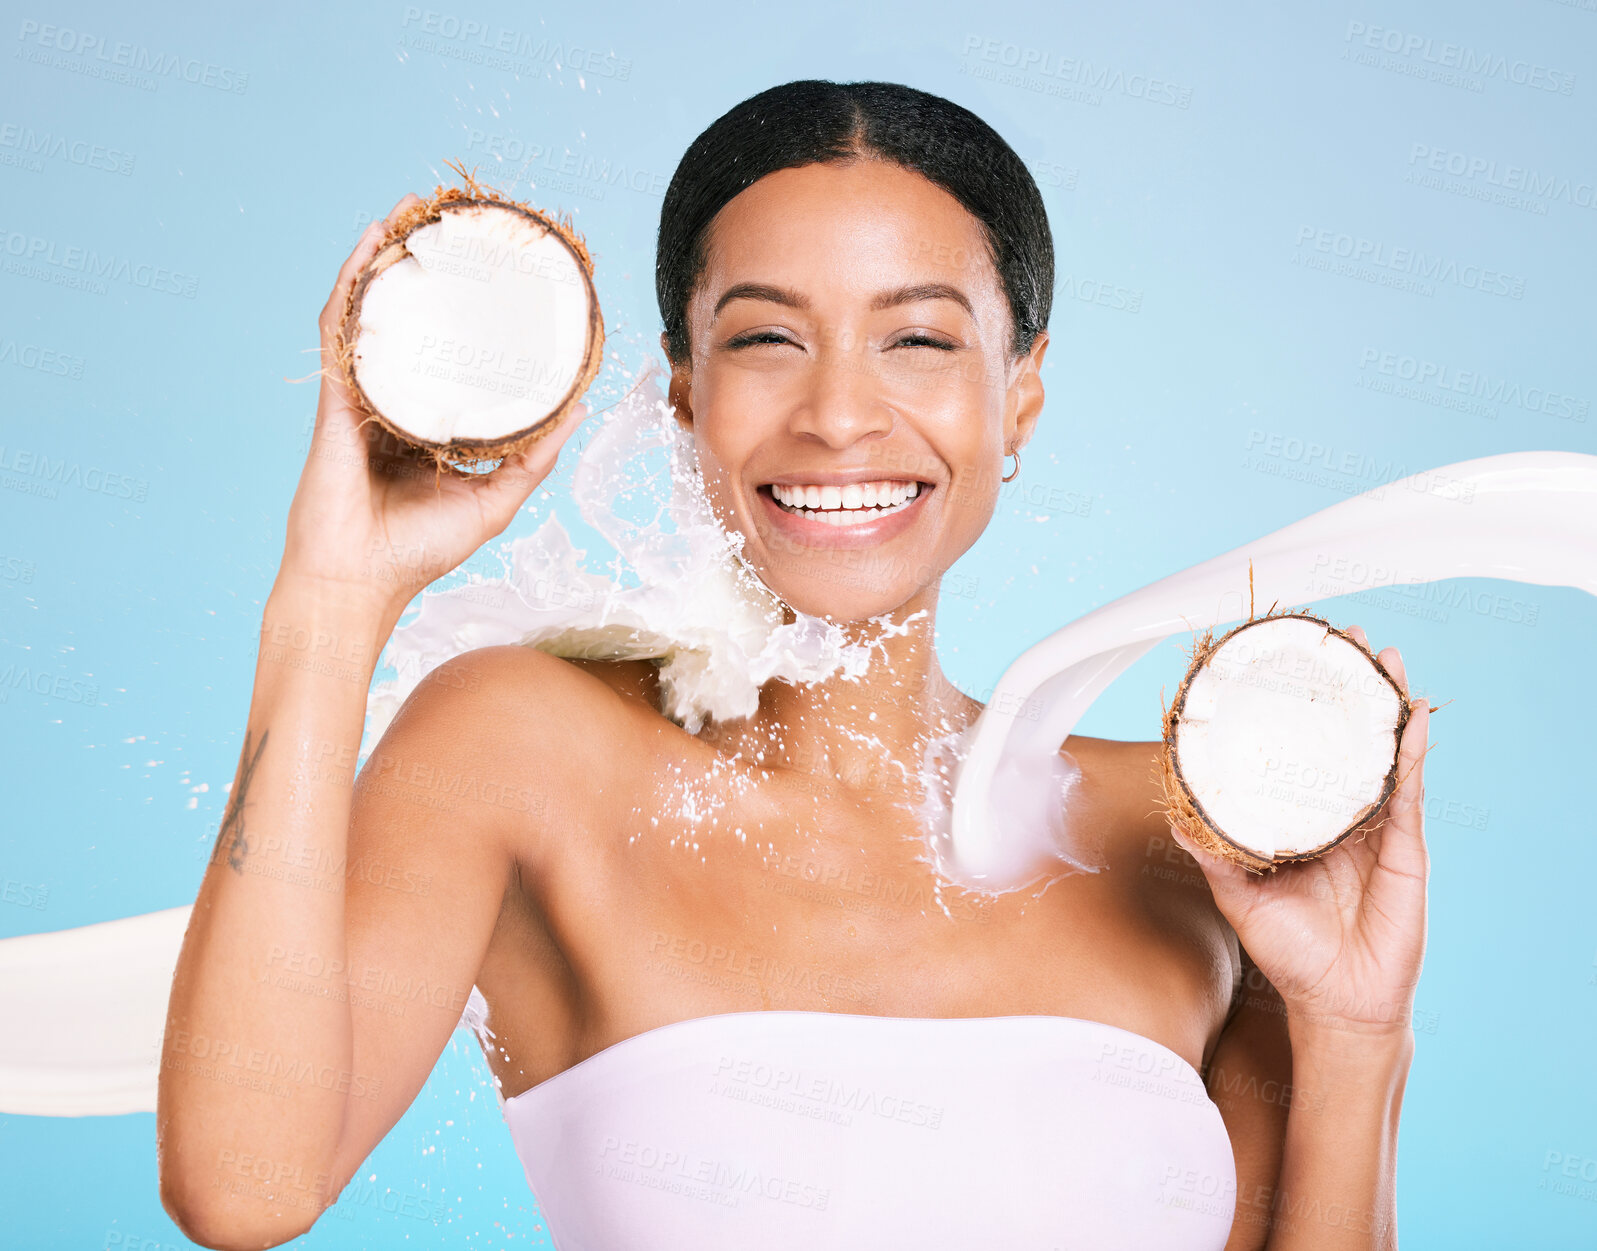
232,832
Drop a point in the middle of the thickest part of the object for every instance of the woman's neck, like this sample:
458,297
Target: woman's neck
867,734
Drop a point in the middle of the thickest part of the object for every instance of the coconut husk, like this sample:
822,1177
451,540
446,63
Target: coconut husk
466,455
1183,809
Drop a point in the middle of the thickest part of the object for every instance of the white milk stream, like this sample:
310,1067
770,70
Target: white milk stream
87,1039
1523,517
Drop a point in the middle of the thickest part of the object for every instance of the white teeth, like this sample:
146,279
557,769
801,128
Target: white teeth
847,505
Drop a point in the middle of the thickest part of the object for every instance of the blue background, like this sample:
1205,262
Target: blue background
1199,361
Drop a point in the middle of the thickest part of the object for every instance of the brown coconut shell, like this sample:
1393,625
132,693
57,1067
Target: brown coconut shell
469,454
1182,807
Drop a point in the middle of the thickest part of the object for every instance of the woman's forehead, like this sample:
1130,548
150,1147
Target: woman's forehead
866,226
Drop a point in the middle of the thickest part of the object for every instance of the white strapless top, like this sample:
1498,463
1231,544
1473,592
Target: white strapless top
771,1130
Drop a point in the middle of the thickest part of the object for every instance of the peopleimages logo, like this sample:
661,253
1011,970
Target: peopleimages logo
31,147
51,474
531,158
1473,383
33,256
495,47
1077,72
1508,177
1460,57
45,360
15,677
1423,267
97,58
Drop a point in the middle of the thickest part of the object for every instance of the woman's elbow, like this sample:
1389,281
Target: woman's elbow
210,1216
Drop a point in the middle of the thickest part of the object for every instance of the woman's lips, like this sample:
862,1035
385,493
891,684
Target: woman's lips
812,532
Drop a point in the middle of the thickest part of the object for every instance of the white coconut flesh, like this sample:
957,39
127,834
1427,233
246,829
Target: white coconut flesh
1287,736
478,331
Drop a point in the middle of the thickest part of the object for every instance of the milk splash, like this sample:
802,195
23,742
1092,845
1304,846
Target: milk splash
1032,793
681,593
1523,516
89,1043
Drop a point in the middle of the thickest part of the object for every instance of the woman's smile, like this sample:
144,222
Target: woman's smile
853,383
843,511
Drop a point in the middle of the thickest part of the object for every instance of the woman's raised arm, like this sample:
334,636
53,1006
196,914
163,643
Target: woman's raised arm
295,1032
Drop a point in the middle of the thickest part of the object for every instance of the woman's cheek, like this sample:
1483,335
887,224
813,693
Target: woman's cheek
972,500
717,486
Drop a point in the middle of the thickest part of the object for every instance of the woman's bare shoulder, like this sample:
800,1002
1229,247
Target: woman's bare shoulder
1125,796
516,703
1124,791
508,675
1121,778
634,680
566,740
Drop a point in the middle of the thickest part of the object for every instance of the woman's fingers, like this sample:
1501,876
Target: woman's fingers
1387,656
365,248
1224,875
1403,849
332,315
1394,665
334,394
501,493
333,310
1402,844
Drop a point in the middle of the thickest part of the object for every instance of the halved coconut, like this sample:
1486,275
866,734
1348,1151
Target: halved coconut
1282,740
474,328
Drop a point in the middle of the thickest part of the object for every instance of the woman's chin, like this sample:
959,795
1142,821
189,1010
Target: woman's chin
838,595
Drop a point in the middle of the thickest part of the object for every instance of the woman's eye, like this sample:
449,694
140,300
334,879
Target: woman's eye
756,336
924,340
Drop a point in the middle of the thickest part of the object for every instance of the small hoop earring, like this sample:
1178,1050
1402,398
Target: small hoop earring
1015,473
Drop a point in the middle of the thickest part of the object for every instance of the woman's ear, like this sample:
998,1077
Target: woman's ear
1025,394
680,392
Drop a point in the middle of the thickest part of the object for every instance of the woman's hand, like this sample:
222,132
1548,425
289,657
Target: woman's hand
1342,937
372,517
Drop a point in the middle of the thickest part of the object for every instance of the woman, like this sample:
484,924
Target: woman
855,283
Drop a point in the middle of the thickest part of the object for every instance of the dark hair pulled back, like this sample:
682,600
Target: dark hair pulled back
811,121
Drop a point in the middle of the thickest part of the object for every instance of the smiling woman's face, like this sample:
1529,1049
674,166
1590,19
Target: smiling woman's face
851,388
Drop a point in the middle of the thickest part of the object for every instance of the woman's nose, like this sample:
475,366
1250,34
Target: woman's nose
841,399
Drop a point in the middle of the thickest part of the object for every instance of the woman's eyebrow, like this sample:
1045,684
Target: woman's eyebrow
884,299
760,291
924,291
